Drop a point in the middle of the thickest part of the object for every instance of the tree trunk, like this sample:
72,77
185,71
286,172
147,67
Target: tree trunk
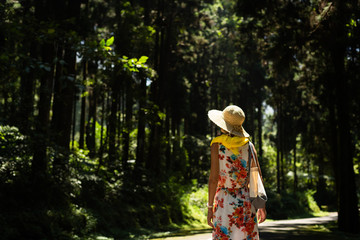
62,114
260,116
348,210
154,161
41,139
113,121
140,149
27,93
73,127
169,142
295,170
101,152
39,164
64,92
91,124
128,117
278,182
282,150
83,108
321,182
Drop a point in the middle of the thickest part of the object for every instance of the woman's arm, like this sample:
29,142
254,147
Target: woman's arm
213,181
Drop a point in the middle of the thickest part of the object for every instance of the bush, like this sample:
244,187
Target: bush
285,205
193,204
15,154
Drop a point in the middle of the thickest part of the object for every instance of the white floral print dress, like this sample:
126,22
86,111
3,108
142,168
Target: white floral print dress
234,216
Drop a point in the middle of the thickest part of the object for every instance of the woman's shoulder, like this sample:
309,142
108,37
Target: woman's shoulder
218,140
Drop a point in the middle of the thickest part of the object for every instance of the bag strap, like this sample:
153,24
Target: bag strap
249,163
251,153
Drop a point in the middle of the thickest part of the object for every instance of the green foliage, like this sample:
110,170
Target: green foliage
134,64
194,203
95,203
129,64
269,166
106,45
121,209
12,142
285,205
172,61
15,154
198,157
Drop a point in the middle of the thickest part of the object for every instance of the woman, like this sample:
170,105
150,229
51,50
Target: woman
230,212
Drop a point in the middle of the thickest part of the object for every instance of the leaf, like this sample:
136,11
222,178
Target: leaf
353,23
161,115
102,43
143,59
110,41
85,94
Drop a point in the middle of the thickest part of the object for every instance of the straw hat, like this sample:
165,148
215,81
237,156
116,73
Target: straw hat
230,119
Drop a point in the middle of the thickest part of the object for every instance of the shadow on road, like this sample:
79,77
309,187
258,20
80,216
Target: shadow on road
297,229
300,229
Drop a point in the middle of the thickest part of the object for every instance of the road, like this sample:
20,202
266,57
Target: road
278,230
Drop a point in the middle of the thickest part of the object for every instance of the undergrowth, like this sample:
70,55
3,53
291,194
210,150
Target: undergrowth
89,204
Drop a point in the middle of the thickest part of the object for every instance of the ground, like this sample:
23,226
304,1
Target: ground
298,229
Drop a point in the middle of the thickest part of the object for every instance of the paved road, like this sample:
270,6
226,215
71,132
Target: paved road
277,230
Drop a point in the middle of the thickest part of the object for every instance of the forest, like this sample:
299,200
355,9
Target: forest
103,110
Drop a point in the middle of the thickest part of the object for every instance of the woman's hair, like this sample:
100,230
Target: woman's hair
226,132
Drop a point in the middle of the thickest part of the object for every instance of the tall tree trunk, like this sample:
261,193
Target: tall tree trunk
91,124
64,92
260,116
113,121
348,210
73,127
282,150
279,149
169,142
103,114
40,161
309,180
140,149
321,182
154,161
128,117
83,108
27,75
295,170
63,103
142,96
27,93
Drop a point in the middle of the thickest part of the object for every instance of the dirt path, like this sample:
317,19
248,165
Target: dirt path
285,229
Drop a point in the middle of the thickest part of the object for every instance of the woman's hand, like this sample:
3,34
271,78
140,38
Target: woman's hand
261,214
210,218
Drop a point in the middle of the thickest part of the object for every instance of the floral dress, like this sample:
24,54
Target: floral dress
234,217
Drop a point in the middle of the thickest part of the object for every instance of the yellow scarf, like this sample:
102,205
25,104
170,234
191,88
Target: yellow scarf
232,143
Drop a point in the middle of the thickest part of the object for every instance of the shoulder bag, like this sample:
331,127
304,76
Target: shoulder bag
257,191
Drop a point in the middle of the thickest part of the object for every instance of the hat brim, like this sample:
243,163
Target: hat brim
217,117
